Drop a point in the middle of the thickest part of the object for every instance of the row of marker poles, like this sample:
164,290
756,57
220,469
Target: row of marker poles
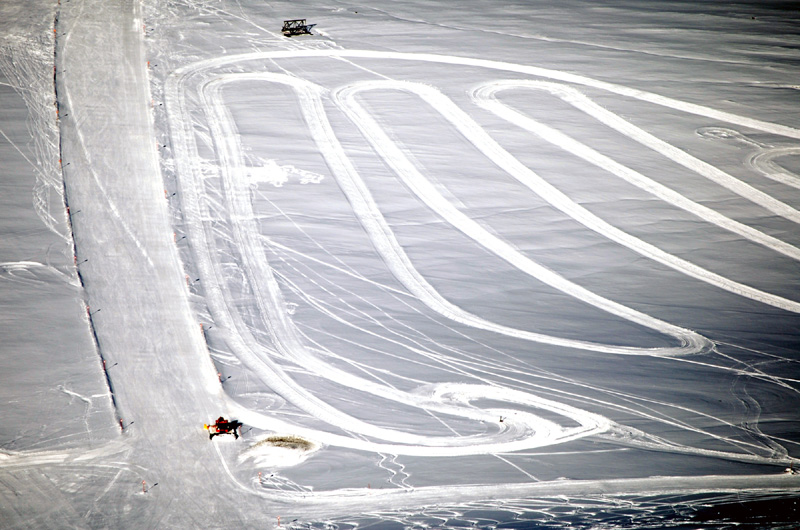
106,369
88,309
261,481
145,489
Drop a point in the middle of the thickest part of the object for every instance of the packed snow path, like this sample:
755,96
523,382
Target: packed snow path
164,383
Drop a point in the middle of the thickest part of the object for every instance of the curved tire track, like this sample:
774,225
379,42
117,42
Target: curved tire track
486,97
503,159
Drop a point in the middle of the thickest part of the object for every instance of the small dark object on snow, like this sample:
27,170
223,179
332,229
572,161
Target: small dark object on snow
296,27
223,426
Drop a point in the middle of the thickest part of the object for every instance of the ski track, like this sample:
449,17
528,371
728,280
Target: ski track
33,272
437,359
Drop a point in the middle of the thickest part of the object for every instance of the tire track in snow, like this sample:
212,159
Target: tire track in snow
395,257
190,180
503,159
486,97
663,101
762,160
404,168
679,156
764,164
527,430
544,431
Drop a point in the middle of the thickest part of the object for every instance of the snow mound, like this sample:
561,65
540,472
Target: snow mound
273,173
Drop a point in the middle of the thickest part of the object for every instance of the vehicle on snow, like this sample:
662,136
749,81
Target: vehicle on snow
223,426
296,27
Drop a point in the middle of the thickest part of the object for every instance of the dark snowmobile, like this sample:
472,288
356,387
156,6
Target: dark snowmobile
223,426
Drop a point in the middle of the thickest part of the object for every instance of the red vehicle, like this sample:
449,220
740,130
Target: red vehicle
223,426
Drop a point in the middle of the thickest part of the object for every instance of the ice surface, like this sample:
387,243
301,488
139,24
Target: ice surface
502,265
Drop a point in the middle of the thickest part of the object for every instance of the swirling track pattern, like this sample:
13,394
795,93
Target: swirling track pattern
525,430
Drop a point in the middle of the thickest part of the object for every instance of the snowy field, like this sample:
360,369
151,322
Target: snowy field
476,264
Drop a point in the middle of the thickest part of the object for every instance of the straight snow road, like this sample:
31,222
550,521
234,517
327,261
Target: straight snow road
163,380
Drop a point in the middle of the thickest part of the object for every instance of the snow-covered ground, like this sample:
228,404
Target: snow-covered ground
500,265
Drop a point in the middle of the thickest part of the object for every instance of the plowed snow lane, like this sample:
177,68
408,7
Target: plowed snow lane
163,380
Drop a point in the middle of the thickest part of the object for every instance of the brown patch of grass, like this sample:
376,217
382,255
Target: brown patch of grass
289,442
